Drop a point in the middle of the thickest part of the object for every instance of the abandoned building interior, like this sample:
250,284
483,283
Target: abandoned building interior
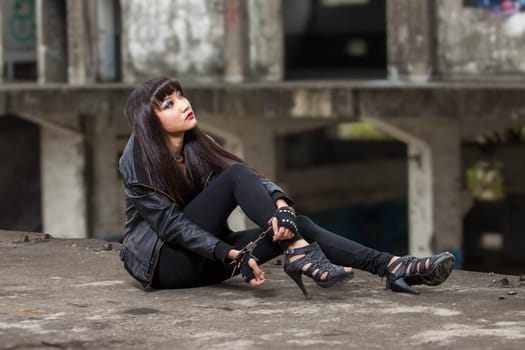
399,124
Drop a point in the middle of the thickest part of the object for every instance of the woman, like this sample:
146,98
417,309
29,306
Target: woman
181,187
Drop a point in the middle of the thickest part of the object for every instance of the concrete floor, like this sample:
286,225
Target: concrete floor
74,294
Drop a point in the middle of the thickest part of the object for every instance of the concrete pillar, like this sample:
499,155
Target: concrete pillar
104,185
411,39
51,41
63,183
236,44
106,40
266,37
420,197
80,41
446,168
434,167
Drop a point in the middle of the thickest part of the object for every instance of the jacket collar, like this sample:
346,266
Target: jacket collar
131,163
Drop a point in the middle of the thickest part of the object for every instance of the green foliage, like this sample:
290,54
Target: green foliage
485,180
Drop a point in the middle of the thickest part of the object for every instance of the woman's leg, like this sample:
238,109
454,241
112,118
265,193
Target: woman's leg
343,251
180,268
237,185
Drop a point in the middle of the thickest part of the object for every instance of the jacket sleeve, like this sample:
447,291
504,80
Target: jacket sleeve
172,226
275,191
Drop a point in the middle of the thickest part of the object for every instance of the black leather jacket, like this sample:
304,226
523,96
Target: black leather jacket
152,219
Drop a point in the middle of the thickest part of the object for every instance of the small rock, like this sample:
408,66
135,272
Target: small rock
107,246
491,273
26,238
522,277
502,283
501,297
47,236
512,292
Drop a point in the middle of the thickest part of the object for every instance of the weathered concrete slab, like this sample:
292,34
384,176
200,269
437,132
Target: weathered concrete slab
74,294
334,100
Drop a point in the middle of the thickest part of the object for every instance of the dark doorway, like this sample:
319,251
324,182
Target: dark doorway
20,193
335,38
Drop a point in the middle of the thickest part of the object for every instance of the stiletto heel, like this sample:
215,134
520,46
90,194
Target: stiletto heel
400,285
297,277
313,256
411,271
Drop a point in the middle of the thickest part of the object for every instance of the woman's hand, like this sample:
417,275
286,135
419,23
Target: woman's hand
259,274
280,233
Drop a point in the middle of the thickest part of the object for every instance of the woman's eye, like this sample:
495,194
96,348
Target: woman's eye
167,105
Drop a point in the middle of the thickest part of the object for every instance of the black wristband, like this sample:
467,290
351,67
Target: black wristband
286,218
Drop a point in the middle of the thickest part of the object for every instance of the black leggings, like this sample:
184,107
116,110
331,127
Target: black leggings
239,185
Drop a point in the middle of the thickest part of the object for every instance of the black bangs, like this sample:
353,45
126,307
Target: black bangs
165,89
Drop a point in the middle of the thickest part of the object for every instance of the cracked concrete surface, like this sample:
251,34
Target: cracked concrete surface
74,294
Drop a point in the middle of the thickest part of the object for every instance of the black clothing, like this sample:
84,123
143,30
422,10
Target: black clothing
153,219
238,185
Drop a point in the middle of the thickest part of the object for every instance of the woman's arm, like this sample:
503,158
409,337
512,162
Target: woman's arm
275,191
172,226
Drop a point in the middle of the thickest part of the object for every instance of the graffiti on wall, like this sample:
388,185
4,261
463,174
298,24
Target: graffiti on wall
19,28
498,7
21,23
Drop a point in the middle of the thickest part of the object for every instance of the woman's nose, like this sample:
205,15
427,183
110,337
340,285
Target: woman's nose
184,105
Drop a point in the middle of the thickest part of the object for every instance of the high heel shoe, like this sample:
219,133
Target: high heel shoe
319,264
439,268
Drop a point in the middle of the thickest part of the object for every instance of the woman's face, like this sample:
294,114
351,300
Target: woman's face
175,114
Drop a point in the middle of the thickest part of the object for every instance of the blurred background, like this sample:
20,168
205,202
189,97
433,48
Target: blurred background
399,123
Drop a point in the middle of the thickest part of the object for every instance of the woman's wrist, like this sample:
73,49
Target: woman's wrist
232,254
281,203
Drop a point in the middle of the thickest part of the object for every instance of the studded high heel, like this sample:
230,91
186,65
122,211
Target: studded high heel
439,268
319,264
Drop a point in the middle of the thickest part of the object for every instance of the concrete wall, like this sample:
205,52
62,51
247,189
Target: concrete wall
476,44
182,38
192,39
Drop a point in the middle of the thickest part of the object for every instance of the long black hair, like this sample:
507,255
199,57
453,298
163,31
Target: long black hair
202,155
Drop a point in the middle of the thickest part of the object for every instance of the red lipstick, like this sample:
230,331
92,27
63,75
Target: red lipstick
189,116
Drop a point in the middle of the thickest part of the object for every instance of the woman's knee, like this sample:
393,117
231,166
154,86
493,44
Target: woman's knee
239,168
303,222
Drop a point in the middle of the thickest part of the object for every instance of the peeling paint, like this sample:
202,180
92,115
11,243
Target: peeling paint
514,27
496,45
174,37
